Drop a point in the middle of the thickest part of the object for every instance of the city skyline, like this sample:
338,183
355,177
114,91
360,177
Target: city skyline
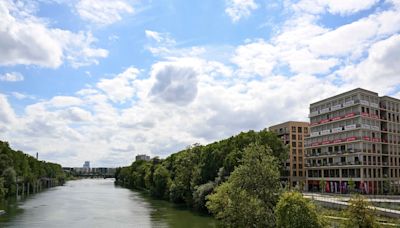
101,82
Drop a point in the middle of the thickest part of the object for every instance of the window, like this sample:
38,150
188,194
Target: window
293,137
306,130
299,129
294,129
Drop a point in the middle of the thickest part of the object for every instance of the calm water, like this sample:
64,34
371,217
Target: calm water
97,203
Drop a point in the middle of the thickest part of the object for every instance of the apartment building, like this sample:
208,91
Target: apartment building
293,133
354,137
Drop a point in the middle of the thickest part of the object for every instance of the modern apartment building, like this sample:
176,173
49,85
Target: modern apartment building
354,137
293,133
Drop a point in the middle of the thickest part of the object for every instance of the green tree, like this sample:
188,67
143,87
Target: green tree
3,189
162,182
322,184
10,178
386,185
352,185
359,213
248,197
200,195
295,211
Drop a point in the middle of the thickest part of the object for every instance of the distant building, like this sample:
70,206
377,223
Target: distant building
142,157
293,133
86,165
355,136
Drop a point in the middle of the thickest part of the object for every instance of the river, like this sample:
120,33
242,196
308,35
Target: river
97,203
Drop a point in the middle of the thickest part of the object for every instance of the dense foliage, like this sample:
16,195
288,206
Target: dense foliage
191,175
295,211
248,197
17,166
360,213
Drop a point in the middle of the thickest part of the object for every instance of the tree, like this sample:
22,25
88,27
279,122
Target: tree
359,213
295,211
352,185
322,184
248,197
162,182
386,185
10,178
3,189
200,195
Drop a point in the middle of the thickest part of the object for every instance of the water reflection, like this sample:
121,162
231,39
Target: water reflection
97,203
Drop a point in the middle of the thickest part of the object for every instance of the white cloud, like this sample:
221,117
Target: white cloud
119,88
176,82
21,96
380,70
196,94
76,114
154,35
64,101
103,12
28,40
237,9
11,77
257,58
334,7
7,115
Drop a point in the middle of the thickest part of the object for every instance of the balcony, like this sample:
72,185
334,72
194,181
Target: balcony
334,108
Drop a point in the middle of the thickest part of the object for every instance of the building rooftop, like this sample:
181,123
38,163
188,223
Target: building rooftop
341,94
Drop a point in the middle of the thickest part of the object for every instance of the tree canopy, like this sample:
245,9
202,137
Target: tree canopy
359,213
295,211
192,174
248,197
21,167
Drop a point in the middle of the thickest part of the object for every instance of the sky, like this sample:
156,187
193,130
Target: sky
104,81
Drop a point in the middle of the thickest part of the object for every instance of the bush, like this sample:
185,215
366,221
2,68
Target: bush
295,211
359,213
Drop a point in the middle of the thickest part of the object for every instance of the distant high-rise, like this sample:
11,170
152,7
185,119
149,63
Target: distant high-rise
143,157
86,165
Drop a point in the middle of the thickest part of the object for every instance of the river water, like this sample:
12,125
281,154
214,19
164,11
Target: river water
97,203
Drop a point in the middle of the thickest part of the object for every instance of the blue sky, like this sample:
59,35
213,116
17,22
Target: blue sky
107,80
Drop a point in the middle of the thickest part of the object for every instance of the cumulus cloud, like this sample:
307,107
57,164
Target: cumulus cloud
7,115
201,98
76,114
380,70
256,58
237,9
11,77
334,7
103,12
119,88
175,83
28,40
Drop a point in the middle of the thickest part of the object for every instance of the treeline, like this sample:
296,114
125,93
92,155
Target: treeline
237,180
23,174
191,175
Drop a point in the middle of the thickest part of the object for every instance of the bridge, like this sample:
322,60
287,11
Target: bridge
101,172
